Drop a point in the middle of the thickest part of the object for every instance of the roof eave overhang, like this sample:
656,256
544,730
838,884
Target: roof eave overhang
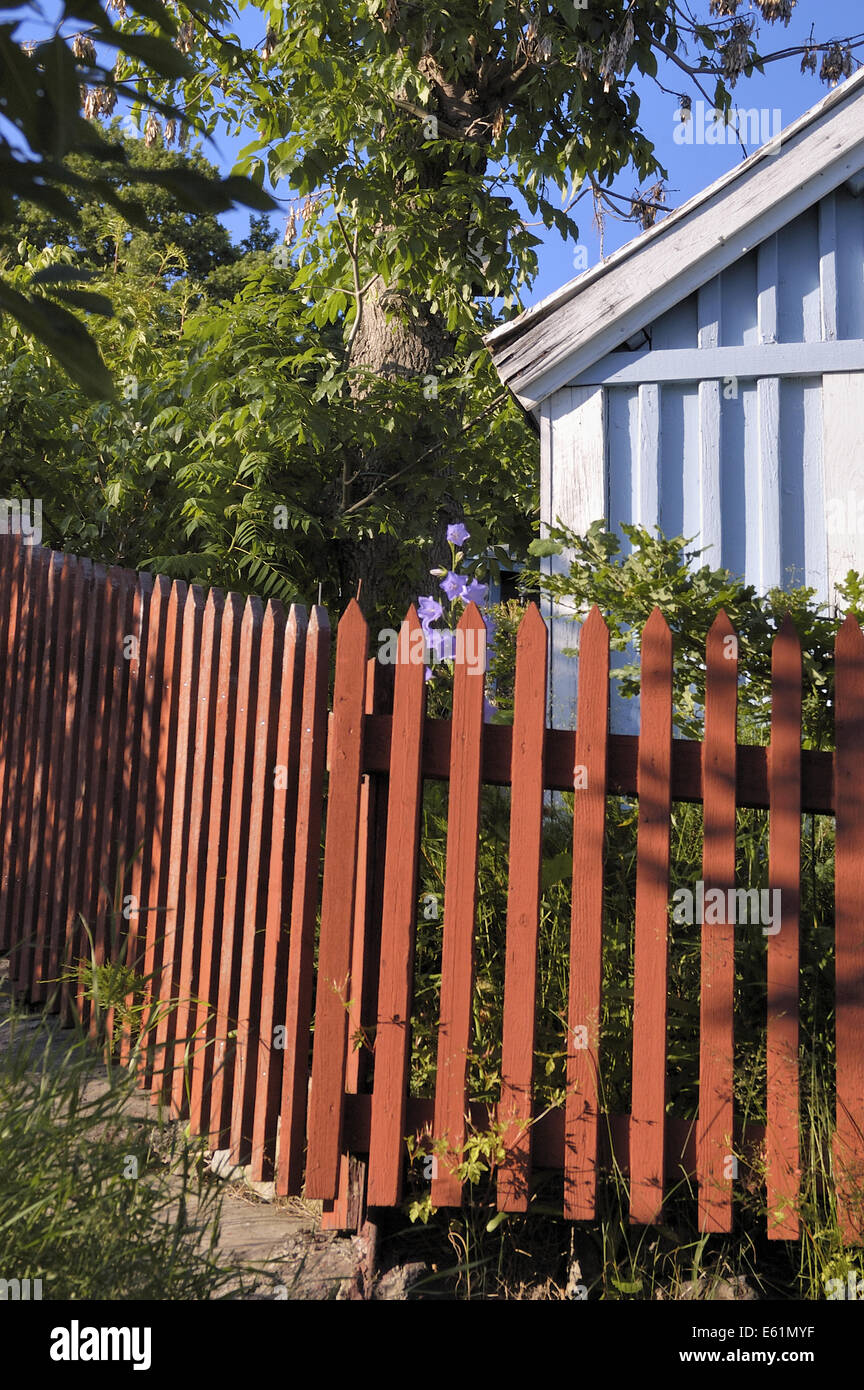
550,344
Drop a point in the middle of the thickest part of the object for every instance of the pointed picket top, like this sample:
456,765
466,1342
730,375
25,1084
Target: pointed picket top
235,607
253,610
214,604
533,625
594,622
656,625
274,615
297,621
193,604
471,617
409,648
787,631
319,619
352,619
161,588
849,641
722,625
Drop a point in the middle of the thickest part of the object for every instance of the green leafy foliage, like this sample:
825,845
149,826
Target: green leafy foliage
41,90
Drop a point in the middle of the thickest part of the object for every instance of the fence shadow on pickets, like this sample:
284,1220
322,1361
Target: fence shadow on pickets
162,790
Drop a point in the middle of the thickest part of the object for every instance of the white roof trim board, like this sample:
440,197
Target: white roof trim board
550,345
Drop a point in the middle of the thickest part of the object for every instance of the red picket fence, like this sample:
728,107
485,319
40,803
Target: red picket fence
162,790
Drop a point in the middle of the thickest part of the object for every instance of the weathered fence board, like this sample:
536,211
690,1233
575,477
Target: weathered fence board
716,1012
460,910
784,876
523,911
590,770
304,894
650,964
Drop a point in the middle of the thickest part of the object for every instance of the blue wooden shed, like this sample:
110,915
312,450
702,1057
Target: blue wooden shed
708,378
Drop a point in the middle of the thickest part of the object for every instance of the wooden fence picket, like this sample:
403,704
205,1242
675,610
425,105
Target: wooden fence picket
124,583
398,918
147,808
227,997
304,893
88,736
849,939
344,1212
185,1042
31,929
45,964
130,787
13,599
460,907
158,908
523,910
329,1053
32,678
258,848
57,916
650,964
177,831
206,988
715,1148
784,876
106,692
590,772
281,835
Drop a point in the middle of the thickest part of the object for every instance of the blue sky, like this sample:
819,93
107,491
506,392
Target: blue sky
783,93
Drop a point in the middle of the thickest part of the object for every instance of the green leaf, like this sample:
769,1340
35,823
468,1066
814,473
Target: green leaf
64,335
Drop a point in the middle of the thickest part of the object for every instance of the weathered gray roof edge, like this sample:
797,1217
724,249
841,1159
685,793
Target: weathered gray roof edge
596,312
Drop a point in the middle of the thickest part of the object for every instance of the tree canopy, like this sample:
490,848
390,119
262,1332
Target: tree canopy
318,411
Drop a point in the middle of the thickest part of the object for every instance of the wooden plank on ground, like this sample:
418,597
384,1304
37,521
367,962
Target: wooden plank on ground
648,1105
590,771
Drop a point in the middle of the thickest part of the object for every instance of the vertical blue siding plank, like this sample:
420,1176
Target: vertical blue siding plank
710,521
849,220
648,496
828,267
